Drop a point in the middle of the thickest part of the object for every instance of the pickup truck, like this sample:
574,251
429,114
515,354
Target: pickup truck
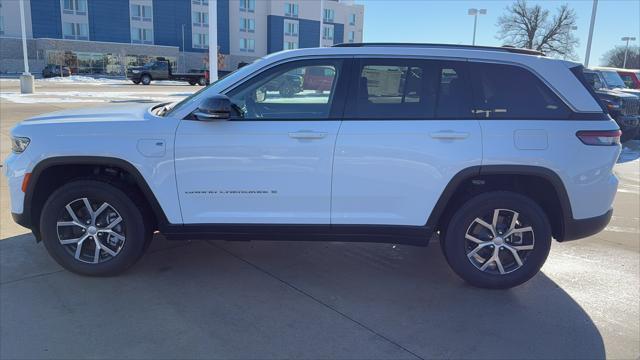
160,69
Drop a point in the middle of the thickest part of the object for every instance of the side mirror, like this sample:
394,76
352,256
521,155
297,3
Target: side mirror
216,107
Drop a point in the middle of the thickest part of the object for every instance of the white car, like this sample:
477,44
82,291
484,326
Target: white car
497,150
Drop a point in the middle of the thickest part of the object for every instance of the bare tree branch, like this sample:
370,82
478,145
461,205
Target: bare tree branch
533,28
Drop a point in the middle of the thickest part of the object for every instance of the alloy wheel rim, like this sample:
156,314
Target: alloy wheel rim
499,242
92,232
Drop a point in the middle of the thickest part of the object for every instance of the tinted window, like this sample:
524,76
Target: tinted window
289,91
512,92
410,89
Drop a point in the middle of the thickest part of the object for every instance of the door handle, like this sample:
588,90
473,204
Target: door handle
307,135
449,135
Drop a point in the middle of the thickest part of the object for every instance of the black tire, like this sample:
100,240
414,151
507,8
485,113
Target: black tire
137,82
192,83
145,79
202,81
456,246
134,230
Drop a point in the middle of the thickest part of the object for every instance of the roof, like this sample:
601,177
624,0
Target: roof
505,48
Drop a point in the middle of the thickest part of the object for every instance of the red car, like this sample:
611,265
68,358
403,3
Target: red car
630,77
319,78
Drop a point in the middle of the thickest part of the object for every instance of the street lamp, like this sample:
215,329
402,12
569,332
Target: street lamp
626,49
475,13
26,79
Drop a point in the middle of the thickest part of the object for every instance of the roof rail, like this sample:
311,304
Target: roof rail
505,48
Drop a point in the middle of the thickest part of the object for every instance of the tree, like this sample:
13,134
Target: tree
534,28
615,57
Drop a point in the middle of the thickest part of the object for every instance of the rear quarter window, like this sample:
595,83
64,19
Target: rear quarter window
511,92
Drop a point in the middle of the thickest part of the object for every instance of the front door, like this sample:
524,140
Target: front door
272,162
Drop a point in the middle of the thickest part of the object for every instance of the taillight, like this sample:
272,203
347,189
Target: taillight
599,138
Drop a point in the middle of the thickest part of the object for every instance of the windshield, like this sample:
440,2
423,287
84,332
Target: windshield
613,79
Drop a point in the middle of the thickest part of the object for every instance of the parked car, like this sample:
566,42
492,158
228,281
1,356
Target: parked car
52,70
318,78
623,107
515,150
287,85
612,81
161,69
630,77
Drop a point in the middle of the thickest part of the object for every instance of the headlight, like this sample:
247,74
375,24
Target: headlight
19,144
135,71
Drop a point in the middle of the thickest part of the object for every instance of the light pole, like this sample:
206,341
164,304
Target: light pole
26,79
184,67
591,25
321,21
572,28
626,49
475,13
213,40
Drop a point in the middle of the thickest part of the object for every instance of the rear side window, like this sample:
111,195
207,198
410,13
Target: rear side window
409,89
511,92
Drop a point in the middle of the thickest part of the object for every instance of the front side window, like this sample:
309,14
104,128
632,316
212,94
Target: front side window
291,91
612,79
512,92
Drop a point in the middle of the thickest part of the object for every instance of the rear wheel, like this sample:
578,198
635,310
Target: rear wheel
136,81
191,82
93,228
498,240
202,81
145,79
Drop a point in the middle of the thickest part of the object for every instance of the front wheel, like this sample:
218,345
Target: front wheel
498,240
146,79
93,228
202,81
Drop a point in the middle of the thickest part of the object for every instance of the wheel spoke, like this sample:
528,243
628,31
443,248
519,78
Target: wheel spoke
522,247
499,263
478,248
487,225
520,230
96,253
514,220
72,241
514,252
486,263
113,223
87,204
69,223
474,239
99,211
494,222
108,250
72,213
79,248
112,233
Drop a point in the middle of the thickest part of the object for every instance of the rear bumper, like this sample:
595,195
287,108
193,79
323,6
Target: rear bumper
582,228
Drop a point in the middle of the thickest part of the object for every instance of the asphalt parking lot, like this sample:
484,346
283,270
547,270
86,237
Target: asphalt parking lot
265,300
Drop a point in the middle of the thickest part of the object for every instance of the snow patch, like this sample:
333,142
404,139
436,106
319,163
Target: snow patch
46,97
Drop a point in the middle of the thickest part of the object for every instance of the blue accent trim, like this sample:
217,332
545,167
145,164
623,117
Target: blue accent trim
46,19
309,31
223,26
275,33
338,33
109,21
168,17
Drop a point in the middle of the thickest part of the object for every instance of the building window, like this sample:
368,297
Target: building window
201,41
247,45
291,28
1,25
327,32
141,36
141,13
248,5
329,14
290,45
352,36
78,7
200,2
291,10
352,19
200,19
75,31
247,25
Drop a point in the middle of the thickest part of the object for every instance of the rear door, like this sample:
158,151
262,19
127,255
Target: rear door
408,129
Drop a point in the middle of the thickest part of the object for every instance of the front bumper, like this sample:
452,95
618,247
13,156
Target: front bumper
582,228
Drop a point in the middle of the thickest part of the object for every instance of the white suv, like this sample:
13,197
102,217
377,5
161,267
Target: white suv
497,150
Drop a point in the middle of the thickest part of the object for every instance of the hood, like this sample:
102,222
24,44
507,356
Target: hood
635,92
113,113
614,93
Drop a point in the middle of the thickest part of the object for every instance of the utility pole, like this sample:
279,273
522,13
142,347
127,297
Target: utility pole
591,25
626,49
475,13
213,40
26,79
